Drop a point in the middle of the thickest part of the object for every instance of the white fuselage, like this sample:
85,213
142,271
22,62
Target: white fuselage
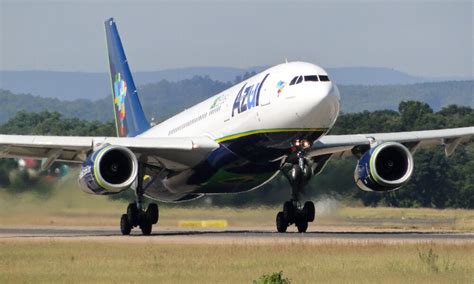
255,123
304,105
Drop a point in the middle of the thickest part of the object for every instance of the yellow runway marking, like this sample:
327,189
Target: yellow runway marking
203,223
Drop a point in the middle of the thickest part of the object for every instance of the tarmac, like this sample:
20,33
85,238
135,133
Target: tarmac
227,235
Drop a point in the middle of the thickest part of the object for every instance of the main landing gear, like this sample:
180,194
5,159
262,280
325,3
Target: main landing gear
294,212
136,215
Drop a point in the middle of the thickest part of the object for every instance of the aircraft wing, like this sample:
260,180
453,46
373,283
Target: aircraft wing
171,153
345,145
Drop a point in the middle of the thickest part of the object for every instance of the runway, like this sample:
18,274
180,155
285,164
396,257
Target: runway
174,234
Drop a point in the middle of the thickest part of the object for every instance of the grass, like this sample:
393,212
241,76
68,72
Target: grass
125,260
69,206
65,261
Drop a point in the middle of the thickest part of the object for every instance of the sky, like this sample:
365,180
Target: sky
424,38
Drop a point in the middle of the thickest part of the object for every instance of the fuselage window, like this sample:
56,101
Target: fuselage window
313,78
323,78
293,81
300,79
189,123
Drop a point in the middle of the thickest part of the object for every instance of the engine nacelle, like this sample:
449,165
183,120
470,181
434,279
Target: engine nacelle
385,167
109,170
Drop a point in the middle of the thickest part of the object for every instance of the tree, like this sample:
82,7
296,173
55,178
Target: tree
437,181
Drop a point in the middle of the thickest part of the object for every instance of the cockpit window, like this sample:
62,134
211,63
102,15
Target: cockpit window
293,81
313,78
309,78
323,78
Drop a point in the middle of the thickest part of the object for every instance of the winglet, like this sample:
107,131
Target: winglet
130,119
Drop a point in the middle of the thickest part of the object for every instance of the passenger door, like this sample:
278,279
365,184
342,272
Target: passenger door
264,92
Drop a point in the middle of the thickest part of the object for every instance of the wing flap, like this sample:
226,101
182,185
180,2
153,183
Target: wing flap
171,153
343,145
72,149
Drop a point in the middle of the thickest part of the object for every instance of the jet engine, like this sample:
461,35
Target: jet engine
109,170
385,167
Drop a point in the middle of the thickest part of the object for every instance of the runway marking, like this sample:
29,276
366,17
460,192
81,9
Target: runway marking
203,223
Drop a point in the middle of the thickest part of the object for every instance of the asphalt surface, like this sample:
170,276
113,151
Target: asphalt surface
103,233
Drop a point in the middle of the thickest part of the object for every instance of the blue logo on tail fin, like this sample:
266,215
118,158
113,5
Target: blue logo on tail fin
130,119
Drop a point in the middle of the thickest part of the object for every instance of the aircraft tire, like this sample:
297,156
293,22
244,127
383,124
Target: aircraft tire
152,213
146,228
281,222
295,173
309,211
289,211
133,214
125,226
302,226
306,172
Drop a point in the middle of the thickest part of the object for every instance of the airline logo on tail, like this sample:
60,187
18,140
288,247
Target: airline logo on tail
120,92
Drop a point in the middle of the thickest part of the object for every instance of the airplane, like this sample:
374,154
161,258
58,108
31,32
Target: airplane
276,122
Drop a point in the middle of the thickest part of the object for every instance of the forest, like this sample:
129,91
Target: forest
438,181
164,98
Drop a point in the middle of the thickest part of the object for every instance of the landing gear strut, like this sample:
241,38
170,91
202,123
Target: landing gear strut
136,215
293,211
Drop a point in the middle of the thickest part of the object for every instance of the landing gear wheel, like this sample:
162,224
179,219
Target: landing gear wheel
281,222
302,226
146,228
152,213
125,226
136,216
298,170
133,214
295,172
289,211
309,211
306,172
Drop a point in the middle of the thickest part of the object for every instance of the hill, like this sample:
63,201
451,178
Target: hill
437,95
93,86
163,99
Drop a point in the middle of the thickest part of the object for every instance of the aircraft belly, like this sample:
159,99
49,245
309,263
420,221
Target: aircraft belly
234,180
242,162
157,191
222,172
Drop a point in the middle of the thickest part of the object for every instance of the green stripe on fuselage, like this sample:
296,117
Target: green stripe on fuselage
271,130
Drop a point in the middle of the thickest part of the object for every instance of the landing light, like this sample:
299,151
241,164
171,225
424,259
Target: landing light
302,143
305,144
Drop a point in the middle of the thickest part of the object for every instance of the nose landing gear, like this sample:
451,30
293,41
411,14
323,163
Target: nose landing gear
294,212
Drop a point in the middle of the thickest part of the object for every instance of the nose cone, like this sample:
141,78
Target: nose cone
333,102
321,105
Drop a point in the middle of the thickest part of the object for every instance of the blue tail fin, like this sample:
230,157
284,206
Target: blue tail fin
130,119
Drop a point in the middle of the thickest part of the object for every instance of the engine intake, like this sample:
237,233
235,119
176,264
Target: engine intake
385,167
109,170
